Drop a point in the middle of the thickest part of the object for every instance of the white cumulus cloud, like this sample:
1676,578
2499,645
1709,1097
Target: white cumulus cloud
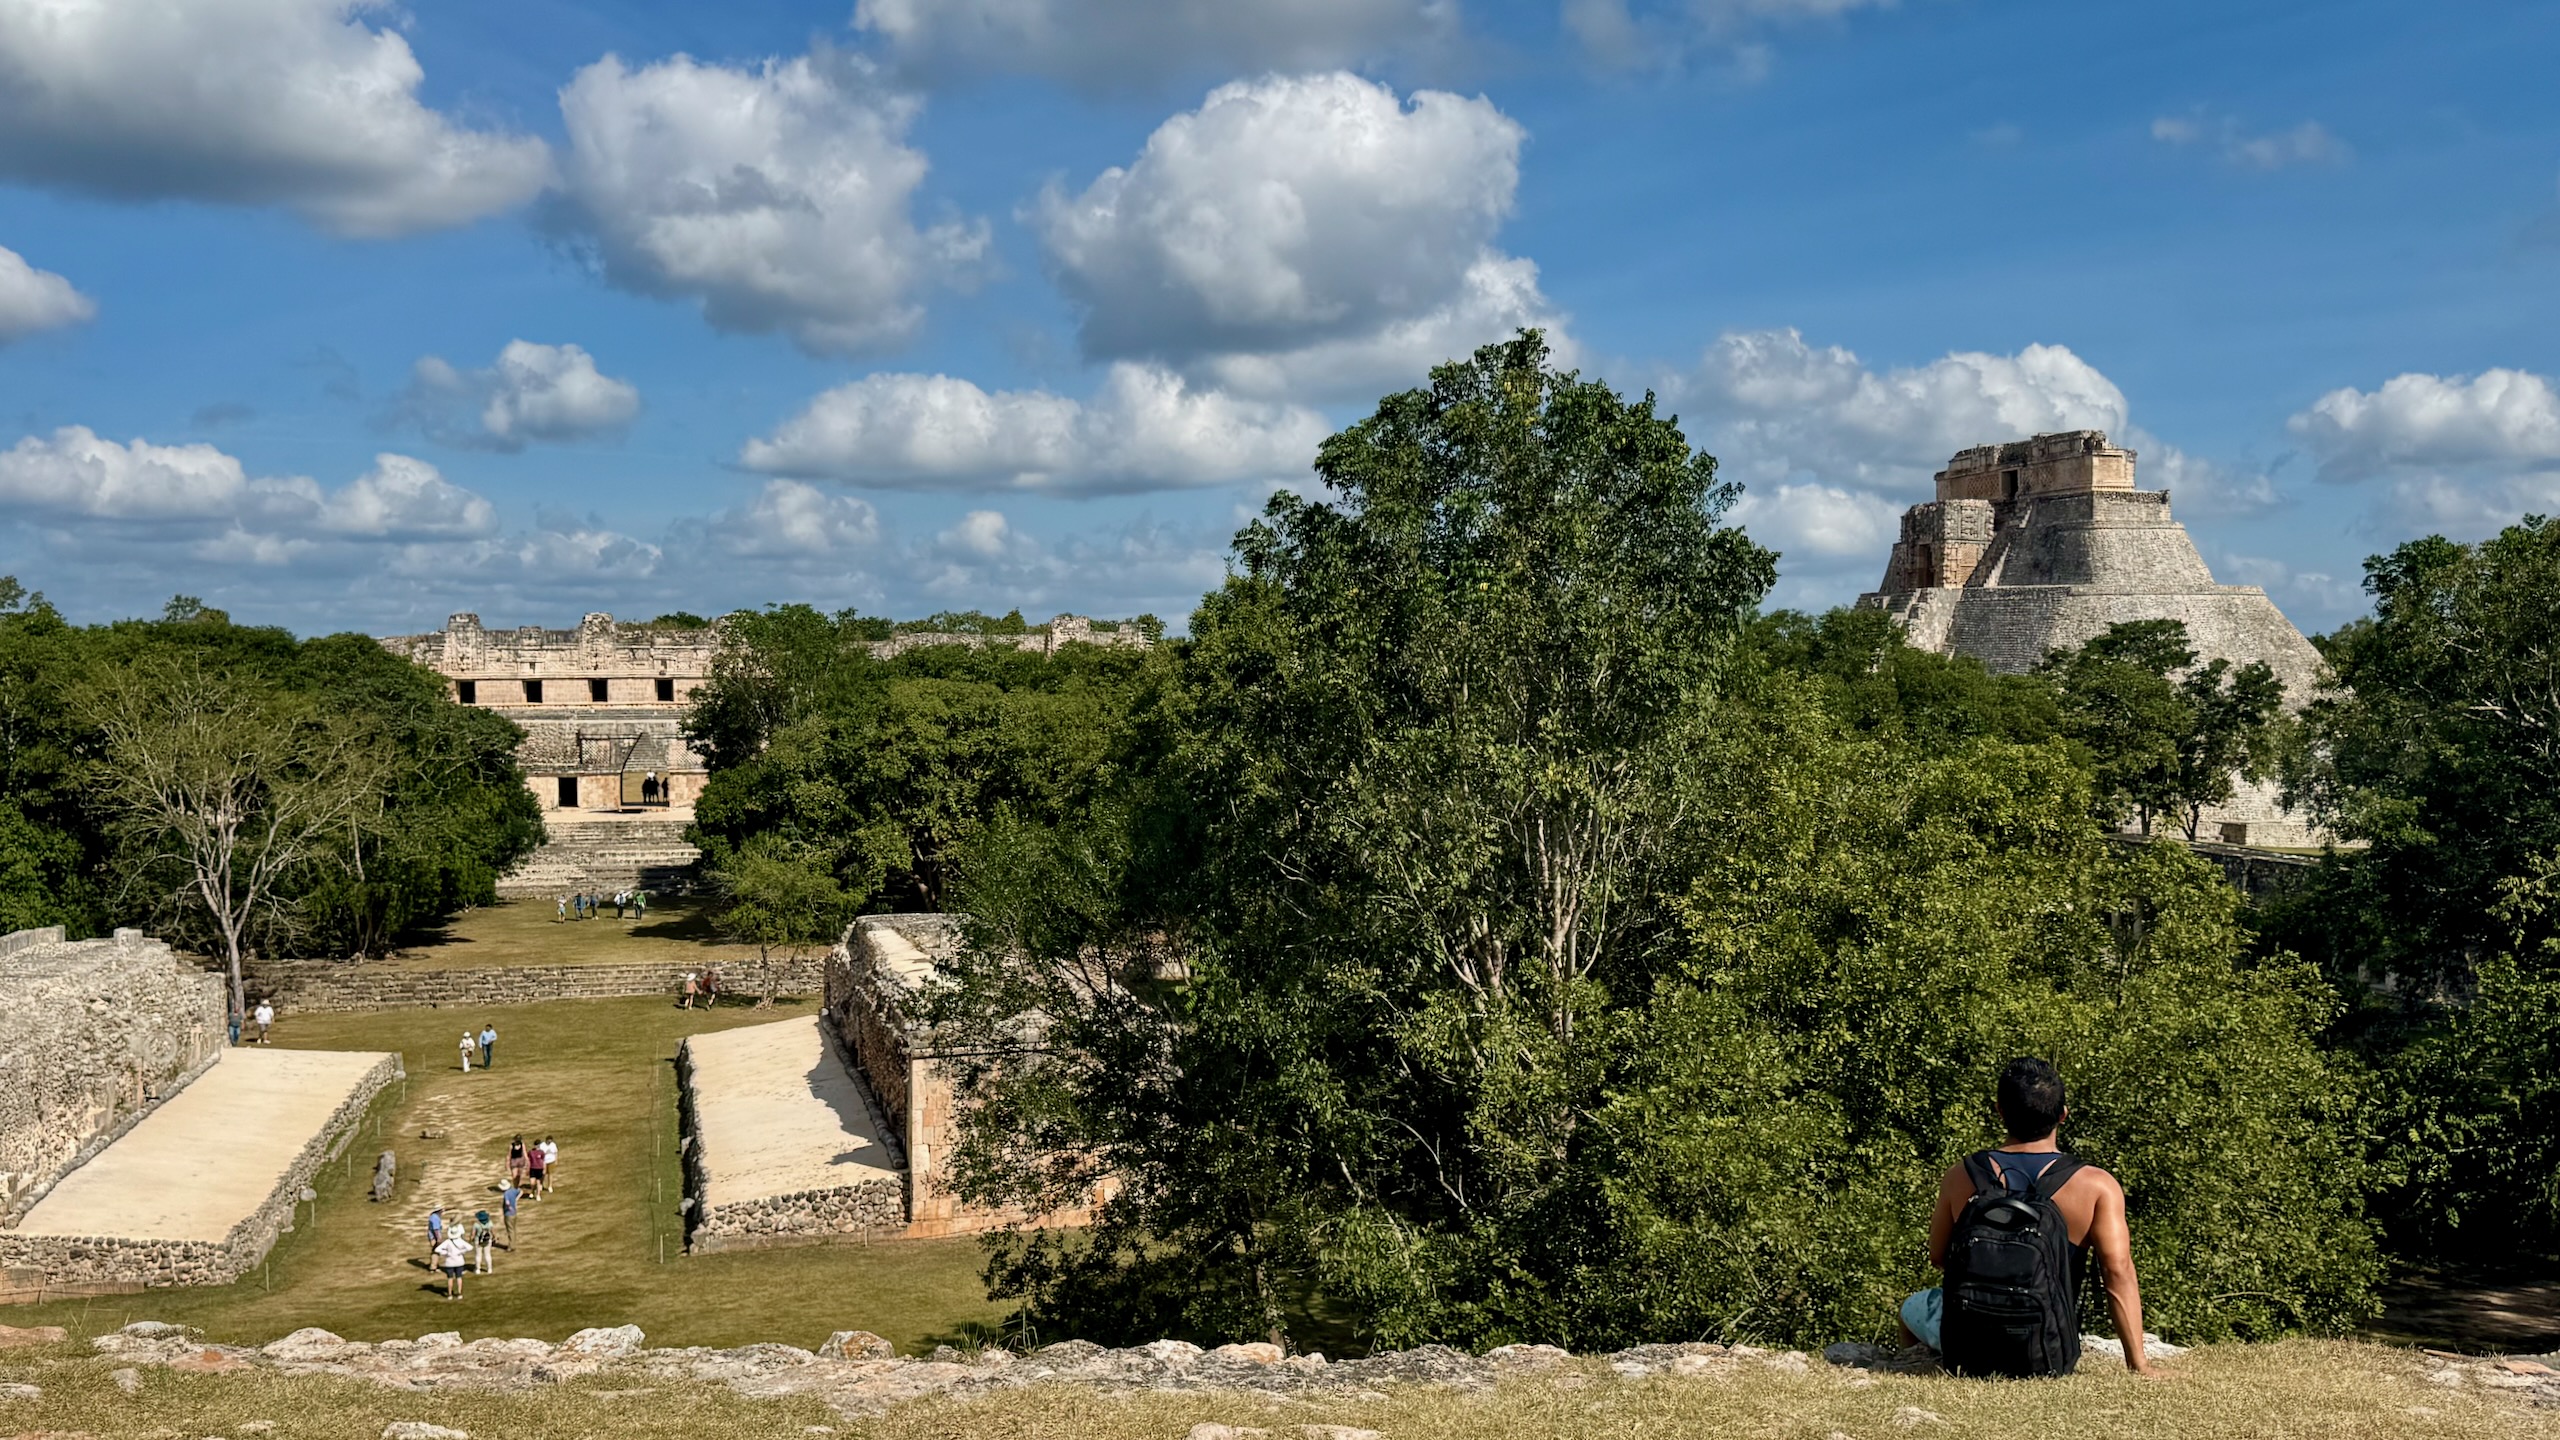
1301,230
791,518
1146,429
197,492
780,197
2509,417
534,392
1118,43
1776,408
405,498
2461,454
33,299
297,103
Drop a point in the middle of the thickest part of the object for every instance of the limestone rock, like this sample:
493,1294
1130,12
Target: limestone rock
128,1380
17,1391
1337,1432
1211,1430
1259,1352
615,1341
860,1345
421,1430
308,1343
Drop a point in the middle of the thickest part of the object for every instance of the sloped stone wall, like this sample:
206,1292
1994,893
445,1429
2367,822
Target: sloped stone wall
98,1031
72,1261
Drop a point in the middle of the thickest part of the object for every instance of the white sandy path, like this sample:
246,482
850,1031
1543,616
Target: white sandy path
780,1114
210,1155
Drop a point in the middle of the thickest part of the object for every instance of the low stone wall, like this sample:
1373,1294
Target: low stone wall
69,1261
311,986
874,1208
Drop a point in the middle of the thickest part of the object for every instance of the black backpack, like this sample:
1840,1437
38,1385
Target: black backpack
2012,1278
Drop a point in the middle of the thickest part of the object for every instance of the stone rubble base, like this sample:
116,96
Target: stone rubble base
859,1374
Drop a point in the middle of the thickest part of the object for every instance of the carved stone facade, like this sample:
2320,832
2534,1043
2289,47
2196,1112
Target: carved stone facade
100,1032
2041,544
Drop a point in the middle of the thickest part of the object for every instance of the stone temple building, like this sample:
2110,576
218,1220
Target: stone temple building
602,708
2041,544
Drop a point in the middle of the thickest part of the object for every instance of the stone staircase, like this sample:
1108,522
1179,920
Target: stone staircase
602,854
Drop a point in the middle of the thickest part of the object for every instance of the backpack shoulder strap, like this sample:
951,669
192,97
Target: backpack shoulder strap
1978,1169
2058,1174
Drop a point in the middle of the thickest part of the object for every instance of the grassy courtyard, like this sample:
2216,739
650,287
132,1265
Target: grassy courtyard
604,1249
530,932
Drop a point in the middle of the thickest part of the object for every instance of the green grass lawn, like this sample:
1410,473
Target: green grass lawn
604,1249
529,932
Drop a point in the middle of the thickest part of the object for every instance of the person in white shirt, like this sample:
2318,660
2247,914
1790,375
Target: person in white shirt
265,1015
470,1047
550,1160
453,1256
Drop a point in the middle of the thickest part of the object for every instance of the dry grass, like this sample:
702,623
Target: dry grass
2294,1391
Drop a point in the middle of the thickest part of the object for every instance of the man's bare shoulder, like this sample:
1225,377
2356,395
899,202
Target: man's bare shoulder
2094,1179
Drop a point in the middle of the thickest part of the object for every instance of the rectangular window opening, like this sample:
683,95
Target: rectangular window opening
533,692
568,783
666,690
597,691
467,691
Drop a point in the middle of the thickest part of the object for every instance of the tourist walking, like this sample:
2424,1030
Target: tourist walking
561,908
483,1236
452,1257
516,1162
692,987
536,1163
235,1024
640,902
470,1045
710,988
488,1047
549,1172
266,1016
507,1199
435,1229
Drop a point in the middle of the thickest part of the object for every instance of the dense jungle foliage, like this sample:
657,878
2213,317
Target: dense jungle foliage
1486,925
367,801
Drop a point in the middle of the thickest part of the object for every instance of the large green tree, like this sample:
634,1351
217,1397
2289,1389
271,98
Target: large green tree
2164,735
883,771
87,711
1478,945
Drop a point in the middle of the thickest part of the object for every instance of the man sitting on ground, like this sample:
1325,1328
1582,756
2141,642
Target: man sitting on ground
2022,1217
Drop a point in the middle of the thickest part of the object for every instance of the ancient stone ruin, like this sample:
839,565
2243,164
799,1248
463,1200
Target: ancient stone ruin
100,1031
116,1078
602,708
2041,544
838,1124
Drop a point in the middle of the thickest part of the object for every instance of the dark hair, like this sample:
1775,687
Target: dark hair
2030,1098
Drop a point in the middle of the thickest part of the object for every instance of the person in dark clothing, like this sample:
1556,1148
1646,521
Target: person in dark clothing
2090,1201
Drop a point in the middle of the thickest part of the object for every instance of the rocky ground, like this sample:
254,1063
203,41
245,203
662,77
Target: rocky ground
856,1373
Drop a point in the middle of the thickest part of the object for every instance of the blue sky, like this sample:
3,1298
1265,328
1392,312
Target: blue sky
350,317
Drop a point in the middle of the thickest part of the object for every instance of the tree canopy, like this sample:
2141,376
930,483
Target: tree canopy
1484,930
125,747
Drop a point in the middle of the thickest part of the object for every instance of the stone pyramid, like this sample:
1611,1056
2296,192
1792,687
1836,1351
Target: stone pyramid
2040,544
